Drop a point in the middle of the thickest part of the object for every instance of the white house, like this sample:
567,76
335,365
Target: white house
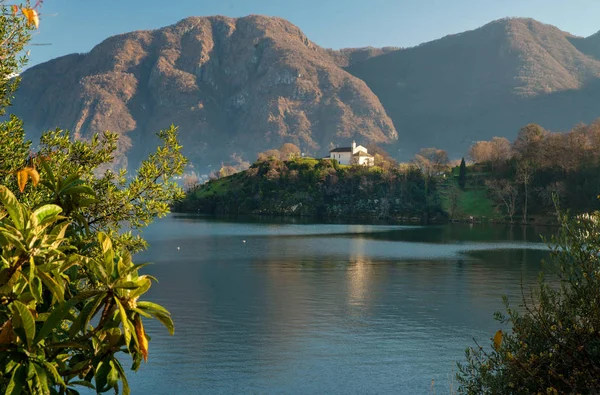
355,155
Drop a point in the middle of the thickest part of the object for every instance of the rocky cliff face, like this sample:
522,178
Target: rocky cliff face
231,85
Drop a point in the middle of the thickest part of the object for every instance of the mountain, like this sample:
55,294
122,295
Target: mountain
231,85
485,82
250,84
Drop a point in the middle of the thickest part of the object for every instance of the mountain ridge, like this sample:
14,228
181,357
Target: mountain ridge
244,85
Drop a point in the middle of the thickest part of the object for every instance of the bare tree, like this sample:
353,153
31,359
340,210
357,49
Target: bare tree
529,143
481,151
524,176
431,161
501,150
190,181
454,197
505,194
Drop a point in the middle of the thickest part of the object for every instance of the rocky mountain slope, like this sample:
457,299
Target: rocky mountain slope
250,84
231,85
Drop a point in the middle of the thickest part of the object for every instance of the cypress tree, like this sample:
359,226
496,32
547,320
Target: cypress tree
462,174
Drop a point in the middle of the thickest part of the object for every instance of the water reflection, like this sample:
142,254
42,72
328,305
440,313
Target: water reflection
324,308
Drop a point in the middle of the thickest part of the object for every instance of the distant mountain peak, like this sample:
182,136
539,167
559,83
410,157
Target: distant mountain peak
232,85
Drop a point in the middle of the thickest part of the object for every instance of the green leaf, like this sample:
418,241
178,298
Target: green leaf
124,284
112,378
53,286
50,368
14,240
68,182
119,367
78,190
54,319
101,375
44,214
42,378
86,202
25,325
9,366
107,251
49,174
125,322
13,207
17,381
35,285
153,307
87,313
141,312
72,260
83,383
166,321
144,286
59,230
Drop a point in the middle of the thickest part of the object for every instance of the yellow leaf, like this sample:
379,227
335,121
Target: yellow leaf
33,173
22,177
141,335
32,16
498,339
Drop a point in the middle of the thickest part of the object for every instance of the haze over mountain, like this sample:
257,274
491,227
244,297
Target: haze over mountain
485,82
249,84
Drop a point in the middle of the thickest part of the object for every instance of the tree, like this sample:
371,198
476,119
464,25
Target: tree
524,176
226,171
381,157
501,150
453,199
289,151
505,194
190,181
70,294
15,32
481,152
462,174
496,151
529,143
431,161
269,154
553,345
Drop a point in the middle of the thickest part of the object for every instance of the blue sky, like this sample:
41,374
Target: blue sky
77,25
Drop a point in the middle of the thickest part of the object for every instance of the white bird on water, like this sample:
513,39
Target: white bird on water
243,241
178,248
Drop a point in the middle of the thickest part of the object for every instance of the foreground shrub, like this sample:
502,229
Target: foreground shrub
554,342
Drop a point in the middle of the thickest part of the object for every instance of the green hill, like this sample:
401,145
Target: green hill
311,187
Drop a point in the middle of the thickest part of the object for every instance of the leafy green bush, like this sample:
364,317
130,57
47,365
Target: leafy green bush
70,295
554,343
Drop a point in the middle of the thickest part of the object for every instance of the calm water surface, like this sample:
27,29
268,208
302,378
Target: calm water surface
325,308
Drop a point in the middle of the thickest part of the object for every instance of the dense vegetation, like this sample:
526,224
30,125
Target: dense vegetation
71,297
511,182
524,177
553,346
303,186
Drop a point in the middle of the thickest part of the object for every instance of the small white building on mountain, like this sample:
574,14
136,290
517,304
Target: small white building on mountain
355,155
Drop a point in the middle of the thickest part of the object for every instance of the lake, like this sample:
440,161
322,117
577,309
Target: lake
293,307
